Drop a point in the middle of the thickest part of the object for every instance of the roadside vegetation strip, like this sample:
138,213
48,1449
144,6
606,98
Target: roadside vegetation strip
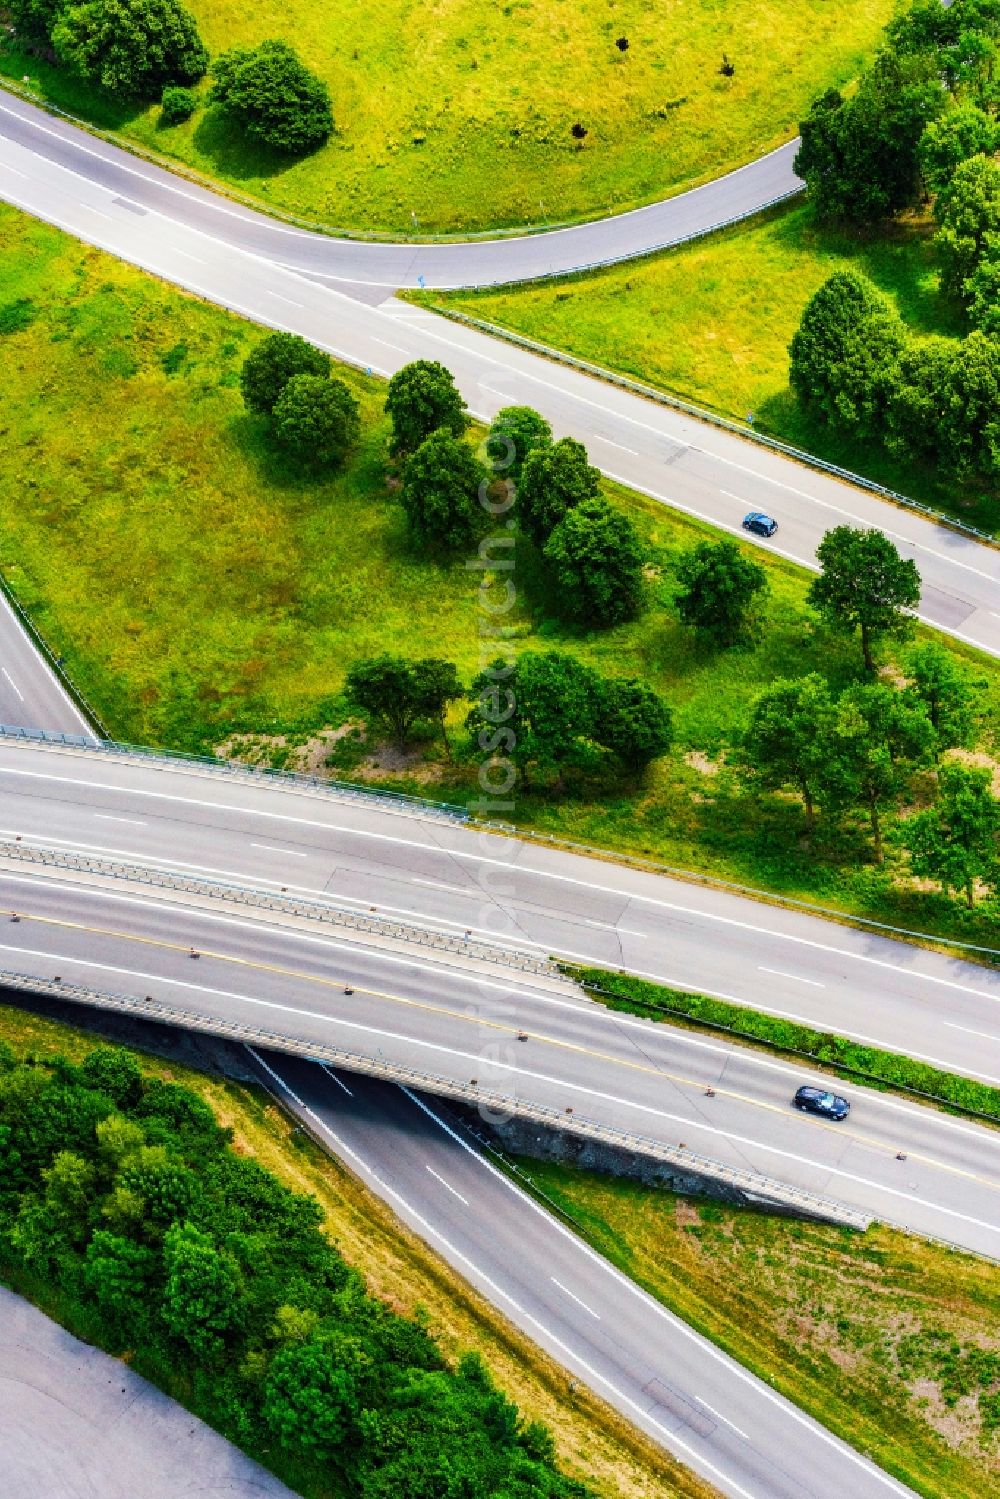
402,1277
868,1064
426,110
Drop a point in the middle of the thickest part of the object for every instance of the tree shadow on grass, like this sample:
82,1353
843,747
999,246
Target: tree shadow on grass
61,87
233,153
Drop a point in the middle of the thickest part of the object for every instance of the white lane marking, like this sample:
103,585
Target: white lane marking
567,1292
720,1417
269,848
986,1036
440,885
13,684
89,208
543,1077
454,970
15,173
386,345
279,298
622,1021
681,1328
187,255
780,973
335,1079
609,442
534,871
132,821
669,1438
448,1186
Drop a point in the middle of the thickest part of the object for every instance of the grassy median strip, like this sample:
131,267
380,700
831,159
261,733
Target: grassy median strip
595,1445
868,1064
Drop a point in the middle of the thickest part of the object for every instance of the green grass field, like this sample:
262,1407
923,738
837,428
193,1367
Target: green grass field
198,589
880,1336
711,322
460,113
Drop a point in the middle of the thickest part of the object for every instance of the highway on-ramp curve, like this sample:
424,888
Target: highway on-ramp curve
674,458
478,262
726,1424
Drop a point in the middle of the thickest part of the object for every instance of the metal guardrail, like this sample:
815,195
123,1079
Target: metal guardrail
421,806
702,413
287,905
235,770
53,661
755,1185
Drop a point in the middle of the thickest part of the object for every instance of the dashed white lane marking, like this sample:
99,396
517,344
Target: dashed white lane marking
781,974
13,684
567,1292
269,848
448,1187
107,817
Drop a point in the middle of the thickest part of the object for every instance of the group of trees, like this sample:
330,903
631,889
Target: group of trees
923,121
141,49
547,713
928,101
121,1194
592,554
861,751
853,363
312,414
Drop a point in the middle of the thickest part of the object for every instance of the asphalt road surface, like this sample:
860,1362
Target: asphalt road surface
450,1017
677,1386
443,875
364,262
78,1424
689,465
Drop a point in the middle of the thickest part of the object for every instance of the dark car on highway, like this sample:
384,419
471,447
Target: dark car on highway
818,1101
759,523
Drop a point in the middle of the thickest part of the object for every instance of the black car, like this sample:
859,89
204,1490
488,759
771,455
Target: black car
759,523
818,1101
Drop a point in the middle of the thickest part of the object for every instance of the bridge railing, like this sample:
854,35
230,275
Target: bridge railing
755,1186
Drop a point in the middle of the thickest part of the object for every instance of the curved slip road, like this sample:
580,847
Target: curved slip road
442,874
674,1384
478,262
454,1018
675,459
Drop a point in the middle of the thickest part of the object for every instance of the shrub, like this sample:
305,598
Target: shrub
269,366
274,96
177,105
317,420
130,47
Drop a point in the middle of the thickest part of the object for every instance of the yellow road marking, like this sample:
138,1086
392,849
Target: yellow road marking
418,1004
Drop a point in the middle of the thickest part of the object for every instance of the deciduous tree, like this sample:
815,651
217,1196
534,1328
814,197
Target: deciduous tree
274,96
785,741
596,557
719,589
633,722
957,840
554,480
130,47
270,365
514,433
440,493
422,398
317,420
844,356
865,586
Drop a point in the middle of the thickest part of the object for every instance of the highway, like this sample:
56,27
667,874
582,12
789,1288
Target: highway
443,875
680,1389
673,458
457,1017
